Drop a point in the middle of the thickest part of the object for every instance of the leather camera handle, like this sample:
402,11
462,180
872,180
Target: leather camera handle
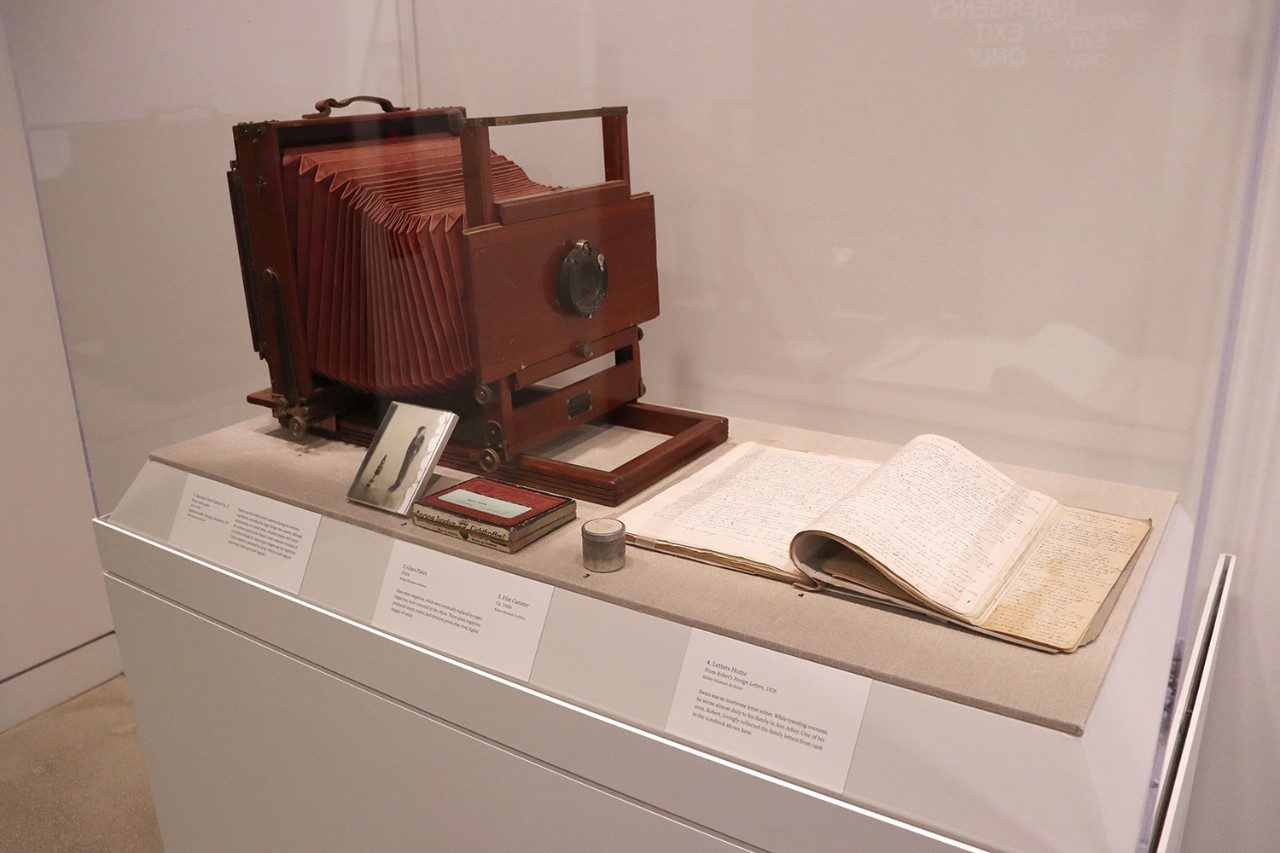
327,105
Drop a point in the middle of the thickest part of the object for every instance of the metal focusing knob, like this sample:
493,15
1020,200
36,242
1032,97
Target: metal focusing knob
297,427
488,460
583,280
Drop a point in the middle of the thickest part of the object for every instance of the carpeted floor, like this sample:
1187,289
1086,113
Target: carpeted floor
72,778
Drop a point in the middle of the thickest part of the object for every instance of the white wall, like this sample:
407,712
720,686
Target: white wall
882,219
129,108
51,595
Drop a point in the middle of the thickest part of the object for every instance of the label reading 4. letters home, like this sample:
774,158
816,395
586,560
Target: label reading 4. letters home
480,614
774,710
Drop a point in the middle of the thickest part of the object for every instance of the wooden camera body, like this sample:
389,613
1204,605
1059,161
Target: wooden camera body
393,256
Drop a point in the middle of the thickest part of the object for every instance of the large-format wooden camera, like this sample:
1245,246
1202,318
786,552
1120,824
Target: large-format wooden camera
394,255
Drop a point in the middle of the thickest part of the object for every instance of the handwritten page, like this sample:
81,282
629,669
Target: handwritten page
935,529
1056,592
942,520
748,505
856,573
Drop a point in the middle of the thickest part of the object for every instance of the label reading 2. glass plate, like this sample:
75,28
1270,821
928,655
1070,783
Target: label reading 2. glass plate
479,614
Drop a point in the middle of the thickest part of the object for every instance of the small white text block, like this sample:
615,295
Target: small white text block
266,539
482,615
773,710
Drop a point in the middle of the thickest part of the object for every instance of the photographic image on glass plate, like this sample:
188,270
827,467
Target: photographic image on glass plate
403,454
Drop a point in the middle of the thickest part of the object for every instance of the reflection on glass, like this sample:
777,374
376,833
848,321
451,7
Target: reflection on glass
873,219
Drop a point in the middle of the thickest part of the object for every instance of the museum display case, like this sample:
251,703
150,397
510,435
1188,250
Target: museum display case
828,229
331,668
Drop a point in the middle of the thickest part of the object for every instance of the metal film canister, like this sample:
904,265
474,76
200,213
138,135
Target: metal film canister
604,544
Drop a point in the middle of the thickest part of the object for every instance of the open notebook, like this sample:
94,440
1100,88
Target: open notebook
934,530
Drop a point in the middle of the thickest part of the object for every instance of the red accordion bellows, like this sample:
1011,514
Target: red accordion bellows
379,259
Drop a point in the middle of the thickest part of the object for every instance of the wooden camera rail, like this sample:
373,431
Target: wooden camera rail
522,327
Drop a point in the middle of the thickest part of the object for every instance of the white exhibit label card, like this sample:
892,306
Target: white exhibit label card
786,714
473,612
266,539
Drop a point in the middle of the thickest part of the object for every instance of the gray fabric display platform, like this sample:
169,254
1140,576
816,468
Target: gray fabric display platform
1057,691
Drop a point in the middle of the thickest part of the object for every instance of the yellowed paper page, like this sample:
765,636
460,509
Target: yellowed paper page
842,574
747,505
1057,590
848,566
946,523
